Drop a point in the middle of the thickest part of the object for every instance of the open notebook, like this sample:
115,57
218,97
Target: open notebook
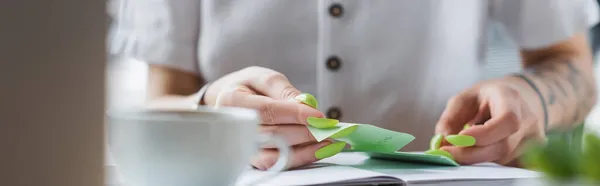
357,168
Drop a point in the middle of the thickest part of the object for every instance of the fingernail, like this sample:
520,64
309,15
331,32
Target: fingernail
321,123
308,99
440,153
344,133
436,142
330,150
461,140
467,126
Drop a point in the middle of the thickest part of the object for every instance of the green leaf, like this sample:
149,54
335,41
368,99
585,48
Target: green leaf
556,159
590,158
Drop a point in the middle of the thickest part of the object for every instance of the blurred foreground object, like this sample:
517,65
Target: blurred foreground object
52,69
570,156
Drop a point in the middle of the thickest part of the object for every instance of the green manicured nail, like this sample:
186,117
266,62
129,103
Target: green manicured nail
436,142
440,153
308,99
321,123
344,133
461,140
467,126
330,150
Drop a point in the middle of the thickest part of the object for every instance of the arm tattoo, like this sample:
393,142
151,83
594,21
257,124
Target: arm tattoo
564,77
551,94
573,77
540,95
550,83
575,89
560,87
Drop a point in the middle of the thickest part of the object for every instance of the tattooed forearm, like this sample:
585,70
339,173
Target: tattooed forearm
548,79
574,77
551,94
562,89
568,91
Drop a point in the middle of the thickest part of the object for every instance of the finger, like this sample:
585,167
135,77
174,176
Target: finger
494,130
505,118
517,141
472,155
271,111
459,110
293,134
301,155
274,85
483,114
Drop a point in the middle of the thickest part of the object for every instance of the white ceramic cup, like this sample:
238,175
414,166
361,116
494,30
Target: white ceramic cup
206,146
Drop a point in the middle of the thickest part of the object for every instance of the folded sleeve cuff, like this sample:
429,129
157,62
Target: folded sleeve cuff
539,23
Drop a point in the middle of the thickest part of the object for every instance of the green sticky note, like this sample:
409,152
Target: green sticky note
414,157
323,133
363,137
439,152
377,143
343,133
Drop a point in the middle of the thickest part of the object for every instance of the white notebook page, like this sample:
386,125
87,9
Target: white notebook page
354,166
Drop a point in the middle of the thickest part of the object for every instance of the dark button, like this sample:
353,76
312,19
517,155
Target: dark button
334,113
333,63
336,10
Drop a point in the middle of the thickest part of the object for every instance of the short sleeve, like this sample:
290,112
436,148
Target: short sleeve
162,32
538,23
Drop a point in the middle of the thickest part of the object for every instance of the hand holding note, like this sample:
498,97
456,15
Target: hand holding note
269,92
360,137
506,120
376,142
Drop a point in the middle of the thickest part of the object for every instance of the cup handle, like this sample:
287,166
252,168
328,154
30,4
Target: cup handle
284,158
282,163
284,149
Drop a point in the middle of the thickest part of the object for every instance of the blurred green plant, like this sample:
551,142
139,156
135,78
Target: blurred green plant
566,155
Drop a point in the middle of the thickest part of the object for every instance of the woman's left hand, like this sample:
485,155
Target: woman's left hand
501,121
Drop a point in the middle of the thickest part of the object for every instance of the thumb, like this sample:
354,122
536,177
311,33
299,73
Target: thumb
459,110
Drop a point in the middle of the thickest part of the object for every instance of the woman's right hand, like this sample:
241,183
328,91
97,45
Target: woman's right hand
272,95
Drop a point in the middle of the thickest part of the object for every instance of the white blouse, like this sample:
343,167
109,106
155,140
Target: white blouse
391,63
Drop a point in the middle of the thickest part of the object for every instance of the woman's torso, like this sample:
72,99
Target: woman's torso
400,60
